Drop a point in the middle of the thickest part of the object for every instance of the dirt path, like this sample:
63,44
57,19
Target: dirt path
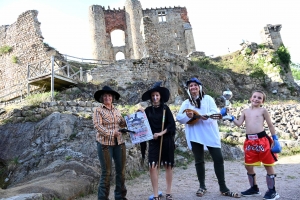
185,182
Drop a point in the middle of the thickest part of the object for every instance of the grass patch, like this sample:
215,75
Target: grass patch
14,59
230,142
5,49
296,73
291,177
290,151
174,107
68,158
85,115
36,99
206,63
127,109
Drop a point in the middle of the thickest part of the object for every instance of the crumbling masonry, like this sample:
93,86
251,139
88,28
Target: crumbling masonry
146,31
271,35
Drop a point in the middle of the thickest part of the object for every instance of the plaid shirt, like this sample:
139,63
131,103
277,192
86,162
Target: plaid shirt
106,122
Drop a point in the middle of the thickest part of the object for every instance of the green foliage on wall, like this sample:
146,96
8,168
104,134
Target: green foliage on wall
261,46
295,71
248,51
284,55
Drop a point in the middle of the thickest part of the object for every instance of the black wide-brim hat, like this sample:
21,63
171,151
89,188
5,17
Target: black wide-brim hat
164,93
106,89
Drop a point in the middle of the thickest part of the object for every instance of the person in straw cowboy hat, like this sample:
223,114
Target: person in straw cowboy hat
203,133
161,147
107,120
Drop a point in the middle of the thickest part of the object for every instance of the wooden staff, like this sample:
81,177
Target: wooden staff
161,139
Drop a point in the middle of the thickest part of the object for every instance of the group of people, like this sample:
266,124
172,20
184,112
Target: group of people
202,134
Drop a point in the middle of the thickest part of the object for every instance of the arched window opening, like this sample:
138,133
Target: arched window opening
120,56
117,38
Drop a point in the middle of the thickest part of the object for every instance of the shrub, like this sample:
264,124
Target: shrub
5,49
284,55
68,157
14,59
248,51
296,73
206,63
36,99
261,46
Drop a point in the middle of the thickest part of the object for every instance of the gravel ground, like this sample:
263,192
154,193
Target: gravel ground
185,183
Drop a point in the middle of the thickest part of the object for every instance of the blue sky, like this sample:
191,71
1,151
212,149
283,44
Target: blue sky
218,25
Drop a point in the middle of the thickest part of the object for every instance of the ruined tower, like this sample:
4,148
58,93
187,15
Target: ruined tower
271,35
97,22
146,31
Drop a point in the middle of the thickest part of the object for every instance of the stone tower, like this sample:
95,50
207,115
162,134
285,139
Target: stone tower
161,29
97,24
271,35
134,15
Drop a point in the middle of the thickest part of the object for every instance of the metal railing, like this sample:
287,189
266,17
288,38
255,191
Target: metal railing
86,60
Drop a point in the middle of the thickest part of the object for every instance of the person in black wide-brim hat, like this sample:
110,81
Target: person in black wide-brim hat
158,96
107,120
108,90
164,93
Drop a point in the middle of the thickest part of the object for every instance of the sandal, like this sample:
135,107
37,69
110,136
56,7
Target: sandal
169,197
156,198
231,194
201,192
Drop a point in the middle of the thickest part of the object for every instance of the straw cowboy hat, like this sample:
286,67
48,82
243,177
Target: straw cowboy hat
164,92
106,89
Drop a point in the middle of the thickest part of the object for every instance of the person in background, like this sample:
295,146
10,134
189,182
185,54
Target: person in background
258,145
158,96
107,121
203,133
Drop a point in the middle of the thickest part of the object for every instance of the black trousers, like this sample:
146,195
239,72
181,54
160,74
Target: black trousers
216,154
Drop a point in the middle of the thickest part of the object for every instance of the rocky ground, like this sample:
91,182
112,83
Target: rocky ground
185,182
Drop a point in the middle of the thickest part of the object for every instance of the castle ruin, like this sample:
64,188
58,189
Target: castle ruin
271,35
26,42
146,31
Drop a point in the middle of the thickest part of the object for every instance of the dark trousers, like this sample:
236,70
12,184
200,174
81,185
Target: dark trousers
216,154
106,154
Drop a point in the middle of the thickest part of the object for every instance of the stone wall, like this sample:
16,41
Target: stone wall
26,40
285,118
165,67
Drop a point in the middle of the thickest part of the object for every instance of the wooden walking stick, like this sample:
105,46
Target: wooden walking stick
161,139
